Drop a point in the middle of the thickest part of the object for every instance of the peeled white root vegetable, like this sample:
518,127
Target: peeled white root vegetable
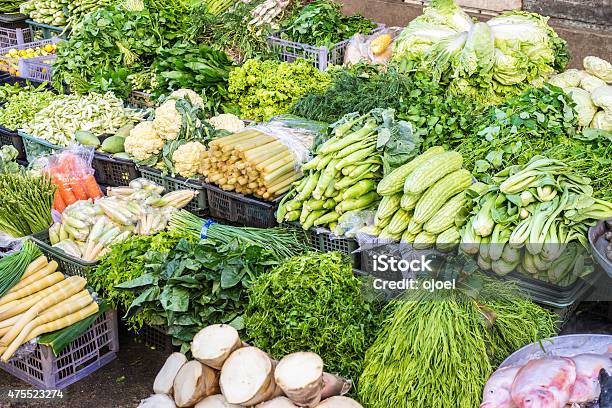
213,344
215,401
301,377
247,377
157,401
164,380
339,402
278,402
193,382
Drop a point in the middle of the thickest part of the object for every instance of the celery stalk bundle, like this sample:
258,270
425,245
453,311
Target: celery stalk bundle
535,220
251,162
25,203
283,242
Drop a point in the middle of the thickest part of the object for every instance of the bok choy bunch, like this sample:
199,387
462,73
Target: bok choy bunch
534,219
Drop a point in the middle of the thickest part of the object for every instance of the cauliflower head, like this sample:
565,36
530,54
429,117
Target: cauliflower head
227,121
167,120
188,159
193,97
143,141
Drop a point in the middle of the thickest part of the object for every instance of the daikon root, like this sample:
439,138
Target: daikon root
339,402
164,380
215,401
213,344
157,401
334,385
193,382
278,402
247,377
300,376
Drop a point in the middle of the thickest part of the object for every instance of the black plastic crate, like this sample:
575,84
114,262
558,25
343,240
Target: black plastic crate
112,171
9,137
197,206
13,20
239,209
67,264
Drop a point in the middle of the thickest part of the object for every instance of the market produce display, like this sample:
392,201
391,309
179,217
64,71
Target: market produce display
10,60
25,203
263,89
66,114
487,61
428,335
60,13
312,303
320,23
343,175
530,219
88,229
41,301
590,92
225,372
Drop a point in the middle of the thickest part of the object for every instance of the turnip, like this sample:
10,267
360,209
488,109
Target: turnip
301,377
278,402
213,344
247,377
215,401
164,380
157,401
339,402
193,382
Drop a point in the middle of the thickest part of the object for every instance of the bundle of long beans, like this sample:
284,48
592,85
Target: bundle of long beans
283,242
14,265
25,203
251,162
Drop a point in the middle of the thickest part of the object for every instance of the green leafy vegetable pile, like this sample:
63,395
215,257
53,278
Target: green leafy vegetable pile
195,284
486,61
199,68
322,23
438,349
265,89
312,303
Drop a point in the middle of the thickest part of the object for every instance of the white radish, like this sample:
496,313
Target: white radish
300,376
339,402
164,380
213,344
193,382
157,401
334,385
215,401
278,402
247,377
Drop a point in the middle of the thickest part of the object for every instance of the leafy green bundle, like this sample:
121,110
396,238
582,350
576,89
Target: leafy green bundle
199,68
312,303
196,284
322,23
262,90
21,108
438,349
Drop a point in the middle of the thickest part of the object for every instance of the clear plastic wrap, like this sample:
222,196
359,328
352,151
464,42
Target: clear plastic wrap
373,49
8,244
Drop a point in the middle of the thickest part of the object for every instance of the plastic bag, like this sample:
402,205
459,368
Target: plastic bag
71,171
8,244
376,48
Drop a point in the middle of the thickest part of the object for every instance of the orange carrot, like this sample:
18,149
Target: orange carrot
58,203
78,189
66,192
91,186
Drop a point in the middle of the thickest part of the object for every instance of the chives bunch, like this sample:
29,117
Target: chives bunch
14,265
283,242
25,203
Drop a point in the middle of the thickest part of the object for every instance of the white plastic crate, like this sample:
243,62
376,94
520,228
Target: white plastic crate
10,37
37,68
6,64
321,56
93,349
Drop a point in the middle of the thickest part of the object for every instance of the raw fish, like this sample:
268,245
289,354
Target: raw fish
588,366
544,383
497,390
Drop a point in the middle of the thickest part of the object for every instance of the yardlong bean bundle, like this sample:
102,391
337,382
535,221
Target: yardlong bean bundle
25,203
